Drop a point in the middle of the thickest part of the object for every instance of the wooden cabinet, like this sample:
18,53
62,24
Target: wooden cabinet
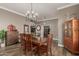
11,37
71,35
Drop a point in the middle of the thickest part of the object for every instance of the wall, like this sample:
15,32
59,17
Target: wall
53,27
7,18
65,15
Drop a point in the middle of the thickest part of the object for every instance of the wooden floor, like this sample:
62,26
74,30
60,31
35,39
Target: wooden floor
15,50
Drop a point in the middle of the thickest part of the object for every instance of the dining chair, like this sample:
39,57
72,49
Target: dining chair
46,47
49,43
23,43
29,46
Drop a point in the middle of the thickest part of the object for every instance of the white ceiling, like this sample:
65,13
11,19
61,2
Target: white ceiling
45,10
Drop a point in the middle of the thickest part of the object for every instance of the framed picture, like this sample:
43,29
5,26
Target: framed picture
33,29
26,29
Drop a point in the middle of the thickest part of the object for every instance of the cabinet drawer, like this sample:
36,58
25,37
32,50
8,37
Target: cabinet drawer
68,44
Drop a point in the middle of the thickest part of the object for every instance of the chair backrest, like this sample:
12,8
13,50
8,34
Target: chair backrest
28,39
22,36
23,43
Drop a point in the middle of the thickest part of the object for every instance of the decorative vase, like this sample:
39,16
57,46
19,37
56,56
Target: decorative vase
0,40
2,44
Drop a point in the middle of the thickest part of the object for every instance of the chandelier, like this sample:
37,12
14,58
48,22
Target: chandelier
31,15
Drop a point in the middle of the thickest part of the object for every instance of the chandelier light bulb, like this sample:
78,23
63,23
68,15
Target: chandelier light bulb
36,14
28,12
32,12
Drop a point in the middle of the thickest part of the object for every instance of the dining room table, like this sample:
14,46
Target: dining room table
37,41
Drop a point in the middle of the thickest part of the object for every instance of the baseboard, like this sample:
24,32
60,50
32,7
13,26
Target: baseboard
55,39
60,45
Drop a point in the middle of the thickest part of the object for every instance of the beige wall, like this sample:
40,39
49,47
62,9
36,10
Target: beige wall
7,18
53,23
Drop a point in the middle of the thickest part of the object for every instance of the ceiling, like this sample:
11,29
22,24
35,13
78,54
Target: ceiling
45,10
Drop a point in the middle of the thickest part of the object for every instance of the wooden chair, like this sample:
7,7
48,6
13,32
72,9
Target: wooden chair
29,46
49,43
47,47
23,43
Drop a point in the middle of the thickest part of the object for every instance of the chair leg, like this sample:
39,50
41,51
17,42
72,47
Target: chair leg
31,52
50,51
47,53
27,50
23,50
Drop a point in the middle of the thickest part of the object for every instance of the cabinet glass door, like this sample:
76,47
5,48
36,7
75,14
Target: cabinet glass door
68,29
66,25
69,25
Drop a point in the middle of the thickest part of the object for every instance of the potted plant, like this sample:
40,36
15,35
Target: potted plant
2,37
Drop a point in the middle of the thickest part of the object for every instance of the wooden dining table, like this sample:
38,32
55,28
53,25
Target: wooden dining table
38,42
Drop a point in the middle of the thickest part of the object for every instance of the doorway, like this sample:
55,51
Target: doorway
46,30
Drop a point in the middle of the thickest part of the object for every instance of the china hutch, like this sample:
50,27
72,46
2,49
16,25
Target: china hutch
71,35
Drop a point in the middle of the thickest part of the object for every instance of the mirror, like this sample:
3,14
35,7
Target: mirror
26,29
38,27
